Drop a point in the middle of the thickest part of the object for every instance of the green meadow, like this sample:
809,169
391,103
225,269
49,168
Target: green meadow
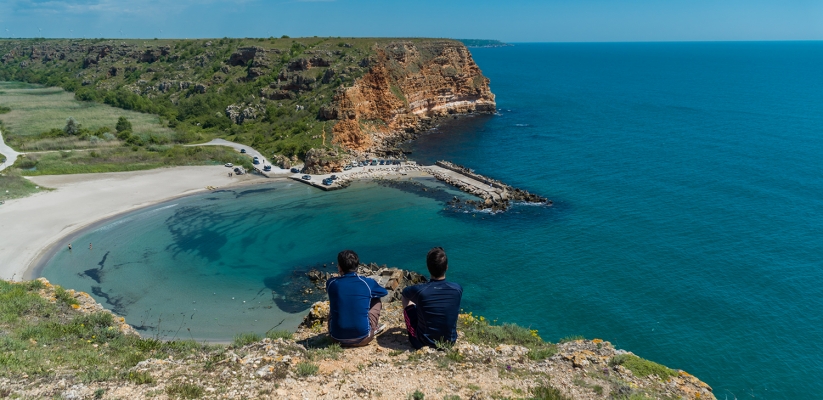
36,109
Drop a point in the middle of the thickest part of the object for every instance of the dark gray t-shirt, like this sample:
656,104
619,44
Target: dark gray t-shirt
438,304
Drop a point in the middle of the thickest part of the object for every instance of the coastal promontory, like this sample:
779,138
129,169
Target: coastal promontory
324,101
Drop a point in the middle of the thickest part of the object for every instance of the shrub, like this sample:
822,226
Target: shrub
417,395
123,124
641,367
64,296
72,127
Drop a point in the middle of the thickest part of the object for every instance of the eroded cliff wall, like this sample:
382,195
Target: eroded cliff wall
409,86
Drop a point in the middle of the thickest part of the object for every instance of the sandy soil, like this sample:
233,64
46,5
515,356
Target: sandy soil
31,225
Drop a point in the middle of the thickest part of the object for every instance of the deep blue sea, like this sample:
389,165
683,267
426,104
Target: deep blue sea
687,224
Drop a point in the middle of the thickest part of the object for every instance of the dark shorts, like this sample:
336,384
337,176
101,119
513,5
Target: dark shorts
410,316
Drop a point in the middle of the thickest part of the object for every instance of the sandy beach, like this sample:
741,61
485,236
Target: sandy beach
30,226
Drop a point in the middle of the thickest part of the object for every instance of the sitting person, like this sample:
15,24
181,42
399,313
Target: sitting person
431,308
354,303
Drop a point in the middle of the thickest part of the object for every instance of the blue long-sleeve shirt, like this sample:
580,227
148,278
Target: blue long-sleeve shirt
349,300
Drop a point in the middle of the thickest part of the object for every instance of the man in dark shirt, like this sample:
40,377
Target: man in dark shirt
354,303
431,308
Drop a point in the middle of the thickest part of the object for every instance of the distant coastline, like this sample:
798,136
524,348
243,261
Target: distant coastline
483,43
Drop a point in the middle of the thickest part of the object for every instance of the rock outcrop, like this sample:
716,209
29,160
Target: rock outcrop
324,161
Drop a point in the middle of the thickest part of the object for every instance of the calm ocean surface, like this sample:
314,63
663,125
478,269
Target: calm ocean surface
687,226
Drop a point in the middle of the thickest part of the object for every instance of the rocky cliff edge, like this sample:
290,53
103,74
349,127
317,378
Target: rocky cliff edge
61,347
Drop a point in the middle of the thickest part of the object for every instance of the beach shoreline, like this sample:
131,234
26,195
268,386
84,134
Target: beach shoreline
36,227
26,254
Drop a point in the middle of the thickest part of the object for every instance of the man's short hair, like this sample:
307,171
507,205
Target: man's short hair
348,260
437,262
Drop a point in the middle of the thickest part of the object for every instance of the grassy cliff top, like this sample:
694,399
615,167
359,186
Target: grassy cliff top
266,93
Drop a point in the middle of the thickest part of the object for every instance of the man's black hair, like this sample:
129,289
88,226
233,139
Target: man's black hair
348,261
437,262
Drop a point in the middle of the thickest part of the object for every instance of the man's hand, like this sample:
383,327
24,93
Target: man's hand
406,302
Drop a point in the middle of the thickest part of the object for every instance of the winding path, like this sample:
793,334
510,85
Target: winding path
8,152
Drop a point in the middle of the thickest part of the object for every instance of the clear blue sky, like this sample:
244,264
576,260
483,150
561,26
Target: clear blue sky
507,20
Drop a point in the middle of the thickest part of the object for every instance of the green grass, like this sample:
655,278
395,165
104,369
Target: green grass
417,395
545,392
14,186
304,369
242,339
140,377
41,339
332,351
185,390
127,159
641,367
571,338
279,334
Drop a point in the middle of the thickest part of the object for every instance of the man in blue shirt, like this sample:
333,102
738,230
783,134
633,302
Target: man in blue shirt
431,308
354,303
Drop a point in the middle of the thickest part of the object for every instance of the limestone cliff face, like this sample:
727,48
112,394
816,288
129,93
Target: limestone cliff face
409,85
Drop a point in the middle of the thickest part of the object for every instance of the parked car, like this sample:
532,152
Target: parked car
295,170
333,177
306,177
243,151
373,162
228,164
327,182
346,168
267,168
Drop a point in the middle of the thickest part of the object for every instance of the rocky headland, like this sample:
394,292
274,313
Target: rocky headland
61,344
322,100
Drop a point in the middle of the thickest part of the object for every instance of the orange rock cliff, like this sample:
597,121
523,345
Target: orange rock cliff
410,84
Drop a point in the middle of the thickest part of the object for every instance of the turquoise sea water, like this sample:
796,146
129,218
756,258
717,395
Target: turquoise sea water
687,225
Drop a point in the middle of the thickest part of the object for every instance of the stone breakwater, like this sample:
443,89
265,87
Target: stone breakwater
496,195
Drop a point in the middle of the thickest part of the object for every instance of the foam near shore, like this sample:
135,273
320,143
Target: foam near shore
32,226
